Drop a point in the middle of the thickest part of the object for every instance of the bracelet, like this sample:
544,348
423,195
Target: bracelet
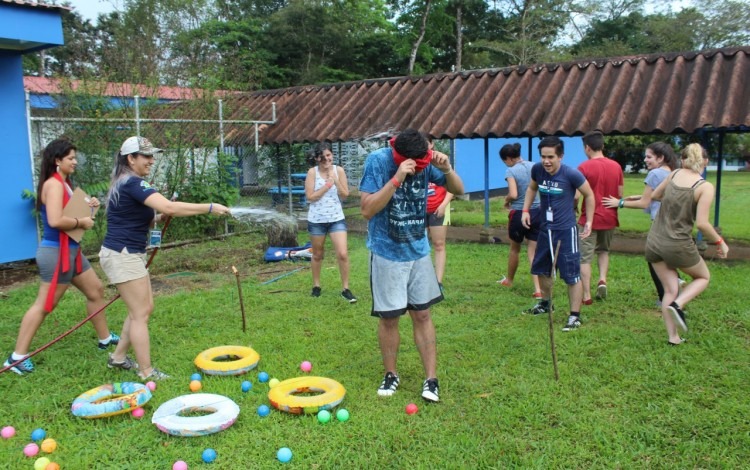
210,207
76,222
524,210
395,182
446,173
719,241
329,185
621,204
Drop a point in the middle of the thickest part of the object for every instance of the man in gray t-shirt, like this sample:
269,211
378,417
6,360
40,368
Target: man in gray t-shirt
518,176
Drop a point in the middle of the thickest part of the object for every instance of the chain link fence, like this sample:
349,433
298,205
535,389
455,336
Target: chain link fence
205,158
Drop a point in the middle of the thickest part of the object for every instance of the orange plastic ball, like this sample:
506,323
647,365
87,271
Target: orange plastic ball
49,445
195,385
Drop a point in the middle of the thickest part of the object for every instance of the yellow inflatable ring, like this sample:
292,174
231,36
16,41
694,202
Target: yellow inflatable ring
283,396
210,361
110,399
168,417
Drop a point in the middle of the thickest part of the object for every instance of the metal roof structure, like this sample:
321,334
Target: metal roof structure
643,94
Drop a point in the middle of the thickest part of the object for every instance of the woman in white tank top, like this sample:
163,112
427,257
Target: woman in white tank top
325,186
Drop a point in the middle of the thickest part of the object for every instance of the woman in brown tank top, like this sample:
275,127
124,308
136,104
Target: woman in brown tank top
685,202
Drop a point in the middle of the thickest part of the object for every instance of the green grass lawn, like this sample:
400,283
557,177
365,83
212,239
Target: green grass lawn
624,400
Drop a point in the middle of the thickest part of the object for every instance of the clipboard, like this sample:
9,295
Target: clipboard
78,207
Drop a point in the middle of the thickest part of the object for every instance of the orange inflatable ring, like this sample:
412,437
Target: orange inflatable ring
211,361
284,395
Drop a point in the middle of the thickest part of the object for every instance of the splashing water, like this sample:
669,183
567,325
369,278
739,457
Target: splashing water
281,229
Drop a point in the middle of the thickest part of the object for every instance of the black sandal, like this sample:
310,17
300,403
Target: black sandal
682,340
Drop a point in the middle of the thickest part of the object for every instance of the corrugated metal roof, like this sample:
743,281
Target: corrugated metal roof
25,3
660,93
52,86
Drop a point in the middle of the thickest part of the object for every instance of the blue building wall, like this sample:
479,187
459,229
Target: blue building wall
18,238
23,29
470,159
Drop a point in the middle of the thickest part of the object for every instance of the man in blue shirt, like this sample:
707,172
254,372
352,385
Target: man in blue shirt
402,278
557,185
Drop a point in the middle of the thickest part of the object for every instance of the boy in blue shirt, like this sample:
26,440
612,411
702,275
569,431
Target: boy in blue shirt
557,185
394,201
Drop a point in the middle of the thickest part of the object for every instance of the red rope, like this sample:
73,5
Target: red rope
89,317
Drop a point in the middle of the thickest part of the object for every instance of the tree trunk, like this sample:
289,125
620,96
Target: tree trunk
459,37
422,29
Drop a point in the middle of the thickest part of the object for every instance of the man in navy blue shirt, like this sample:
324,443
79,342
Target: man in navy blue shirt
557,185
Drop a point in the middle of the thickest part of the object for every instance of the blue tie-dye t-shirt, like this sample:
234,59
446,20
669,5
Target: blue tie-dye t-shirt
398,231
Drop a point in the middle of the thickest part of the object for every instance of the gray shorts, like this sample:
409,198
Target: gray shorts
398,286
122,266
46,261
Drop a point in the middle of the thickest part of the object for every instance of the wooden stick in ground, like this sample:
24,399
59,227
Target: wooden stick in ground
242,304
551,323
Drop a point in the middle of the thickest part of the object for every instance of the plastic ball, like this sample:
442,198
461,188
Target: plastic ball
8,432
30,450
195,385
49,445
208,455
180,465
324,416
263,411
342,415
138,413
411,409
284,454
53,466
151,385
262,377
196,376
41,463
306,366
273,382
246,386
38,434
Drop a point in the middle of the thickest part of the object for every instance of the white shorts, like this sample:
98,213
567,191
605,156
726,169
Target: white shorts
122,266
398,286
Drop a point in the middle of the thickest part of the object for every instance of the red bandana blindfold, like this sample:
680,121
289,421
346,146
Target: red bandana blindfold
399,159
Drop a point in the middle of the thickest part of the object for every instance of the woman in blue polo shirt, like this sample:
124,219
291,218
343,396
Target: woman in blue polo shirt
132,205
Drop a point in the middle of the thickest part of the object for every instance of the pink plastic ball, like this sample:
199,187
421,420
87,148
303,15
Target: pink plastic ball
138,413
8,432
30,450
306,366
151,385
411,409
180,465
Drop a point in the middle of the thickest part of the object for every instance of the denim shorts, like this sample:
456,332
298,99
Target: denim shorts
320,229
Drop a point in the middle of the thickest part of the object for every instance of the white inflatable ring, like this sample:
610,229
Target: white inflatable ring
168,419
110,399
209,360
283,396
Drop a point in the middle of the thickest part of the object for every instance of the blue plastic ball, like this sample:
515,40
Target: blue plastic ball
262,377
284,454
246,386
196,376
263,411
38,434
209,455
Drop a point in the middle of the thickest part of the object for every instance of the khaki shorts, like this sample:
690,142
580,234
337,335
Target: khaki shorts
122,266
599,241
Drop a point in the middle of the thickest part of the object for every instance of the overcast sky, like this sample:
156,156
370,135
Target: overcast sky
90,9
